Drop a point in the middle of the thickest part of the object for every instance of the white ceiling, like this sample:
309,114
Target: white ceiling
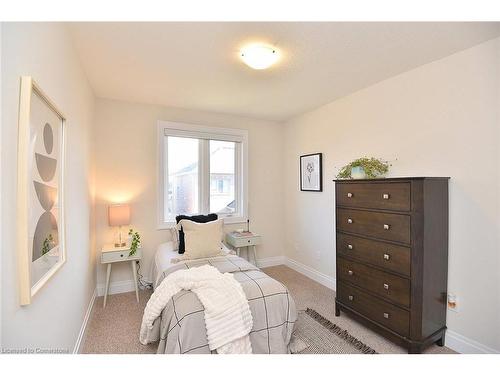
197,66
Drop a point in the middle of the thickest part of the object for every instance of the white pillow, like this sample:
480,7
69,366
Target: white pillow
202,240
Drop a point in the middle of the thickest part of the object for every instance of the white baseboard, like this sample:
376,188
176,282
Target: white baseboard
271,261
116,287
465,345
81,334
310,272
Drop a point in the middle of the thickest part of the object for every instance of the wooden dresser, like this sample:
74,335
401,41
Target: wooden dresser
392,256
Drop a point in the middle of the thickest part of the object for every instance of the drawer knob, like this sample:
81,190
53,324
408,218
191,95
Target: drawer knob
387,256
386,226
386,286
386,315
349,246
386,196
349,195
349,221
249,241
350,273
351,298
121,255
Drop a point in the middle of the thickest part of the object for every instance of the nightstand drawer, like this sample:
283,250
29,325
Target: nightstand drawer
119,255
243,241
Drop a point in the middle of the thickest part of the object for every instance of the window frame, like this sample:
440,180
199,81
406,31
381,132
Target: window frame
179,129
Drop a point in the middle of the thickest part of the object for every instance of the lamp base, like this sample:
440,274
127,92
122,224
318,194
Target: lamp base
120,242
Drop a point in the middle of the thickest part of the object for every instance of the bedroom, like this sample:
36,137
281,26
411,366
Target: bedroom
153,120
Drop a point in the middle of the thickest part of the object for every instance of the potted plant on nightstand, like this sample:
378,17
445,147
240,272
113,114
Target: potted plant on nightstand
135,241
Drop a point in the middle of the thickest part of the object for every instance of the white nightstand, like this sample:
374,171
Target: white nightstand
111,254
237,241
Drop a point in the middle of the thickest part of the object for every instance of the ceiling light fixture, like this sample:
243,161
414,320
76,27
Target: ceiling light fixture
258,56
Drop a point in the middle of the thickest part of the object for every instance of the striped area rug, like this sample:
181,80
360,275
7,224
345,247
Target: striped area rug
314,334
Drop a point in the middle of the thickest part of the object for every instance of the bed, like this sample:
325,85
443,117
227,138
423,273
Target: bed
182,326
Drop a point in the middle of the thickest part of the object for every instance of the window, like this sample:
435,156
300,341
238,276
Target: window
222,175
202,170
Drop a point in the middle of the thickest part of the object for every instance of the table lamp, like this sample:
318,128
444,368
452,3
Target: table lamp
119,215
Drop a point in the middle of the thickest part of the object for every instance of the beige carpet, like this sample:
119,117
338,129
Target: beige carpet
115,329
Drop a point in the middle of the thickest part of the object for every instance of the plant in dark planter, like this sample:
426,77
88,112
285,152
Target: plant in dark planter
364,168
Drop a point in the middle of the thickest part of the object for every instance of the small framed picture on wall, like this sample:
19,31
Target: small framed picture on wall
311,172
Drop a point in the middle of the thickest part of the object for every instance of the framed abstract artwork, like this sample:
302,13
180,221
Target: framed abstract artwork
311,172
40,190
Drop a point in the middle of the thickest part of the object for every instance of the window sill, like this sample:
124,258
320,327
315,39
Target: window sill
234,220
227,221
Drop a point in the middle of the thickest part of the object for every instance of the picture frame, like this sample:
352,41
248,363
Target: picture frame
311,172
41,249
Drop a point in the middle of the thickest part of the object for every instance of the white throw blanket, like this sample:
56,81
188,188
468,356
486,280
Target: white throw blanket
227,314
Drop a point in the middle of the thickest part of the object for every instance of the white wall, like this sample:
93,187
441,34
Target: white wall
54,318
1,179
441,119
126,171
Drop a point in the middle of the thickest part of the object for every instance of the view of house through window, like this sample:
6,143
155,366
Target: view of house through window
182,191
201,175
222,177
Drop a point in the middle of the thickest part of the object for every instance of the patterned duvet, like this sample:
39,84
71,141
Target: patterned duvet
182,323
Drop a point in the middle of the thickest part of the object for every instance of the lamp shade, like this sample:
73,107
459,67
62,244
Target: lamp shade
119,215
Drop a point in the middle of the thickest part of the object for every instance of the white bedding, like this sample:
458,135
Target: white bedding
163,259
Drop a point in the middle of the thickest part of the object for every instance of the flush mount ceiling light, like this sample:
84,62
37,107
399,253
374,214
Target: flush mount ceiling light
259,56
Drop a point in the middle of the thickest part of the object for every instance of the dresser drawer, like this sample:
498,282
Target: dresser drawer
393,227
391,257
119,255
386,196
384,313
391,287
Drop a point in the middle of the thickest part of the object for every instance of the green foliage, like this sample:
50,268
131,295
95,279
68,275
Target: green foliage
136,241
46,244
373,168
